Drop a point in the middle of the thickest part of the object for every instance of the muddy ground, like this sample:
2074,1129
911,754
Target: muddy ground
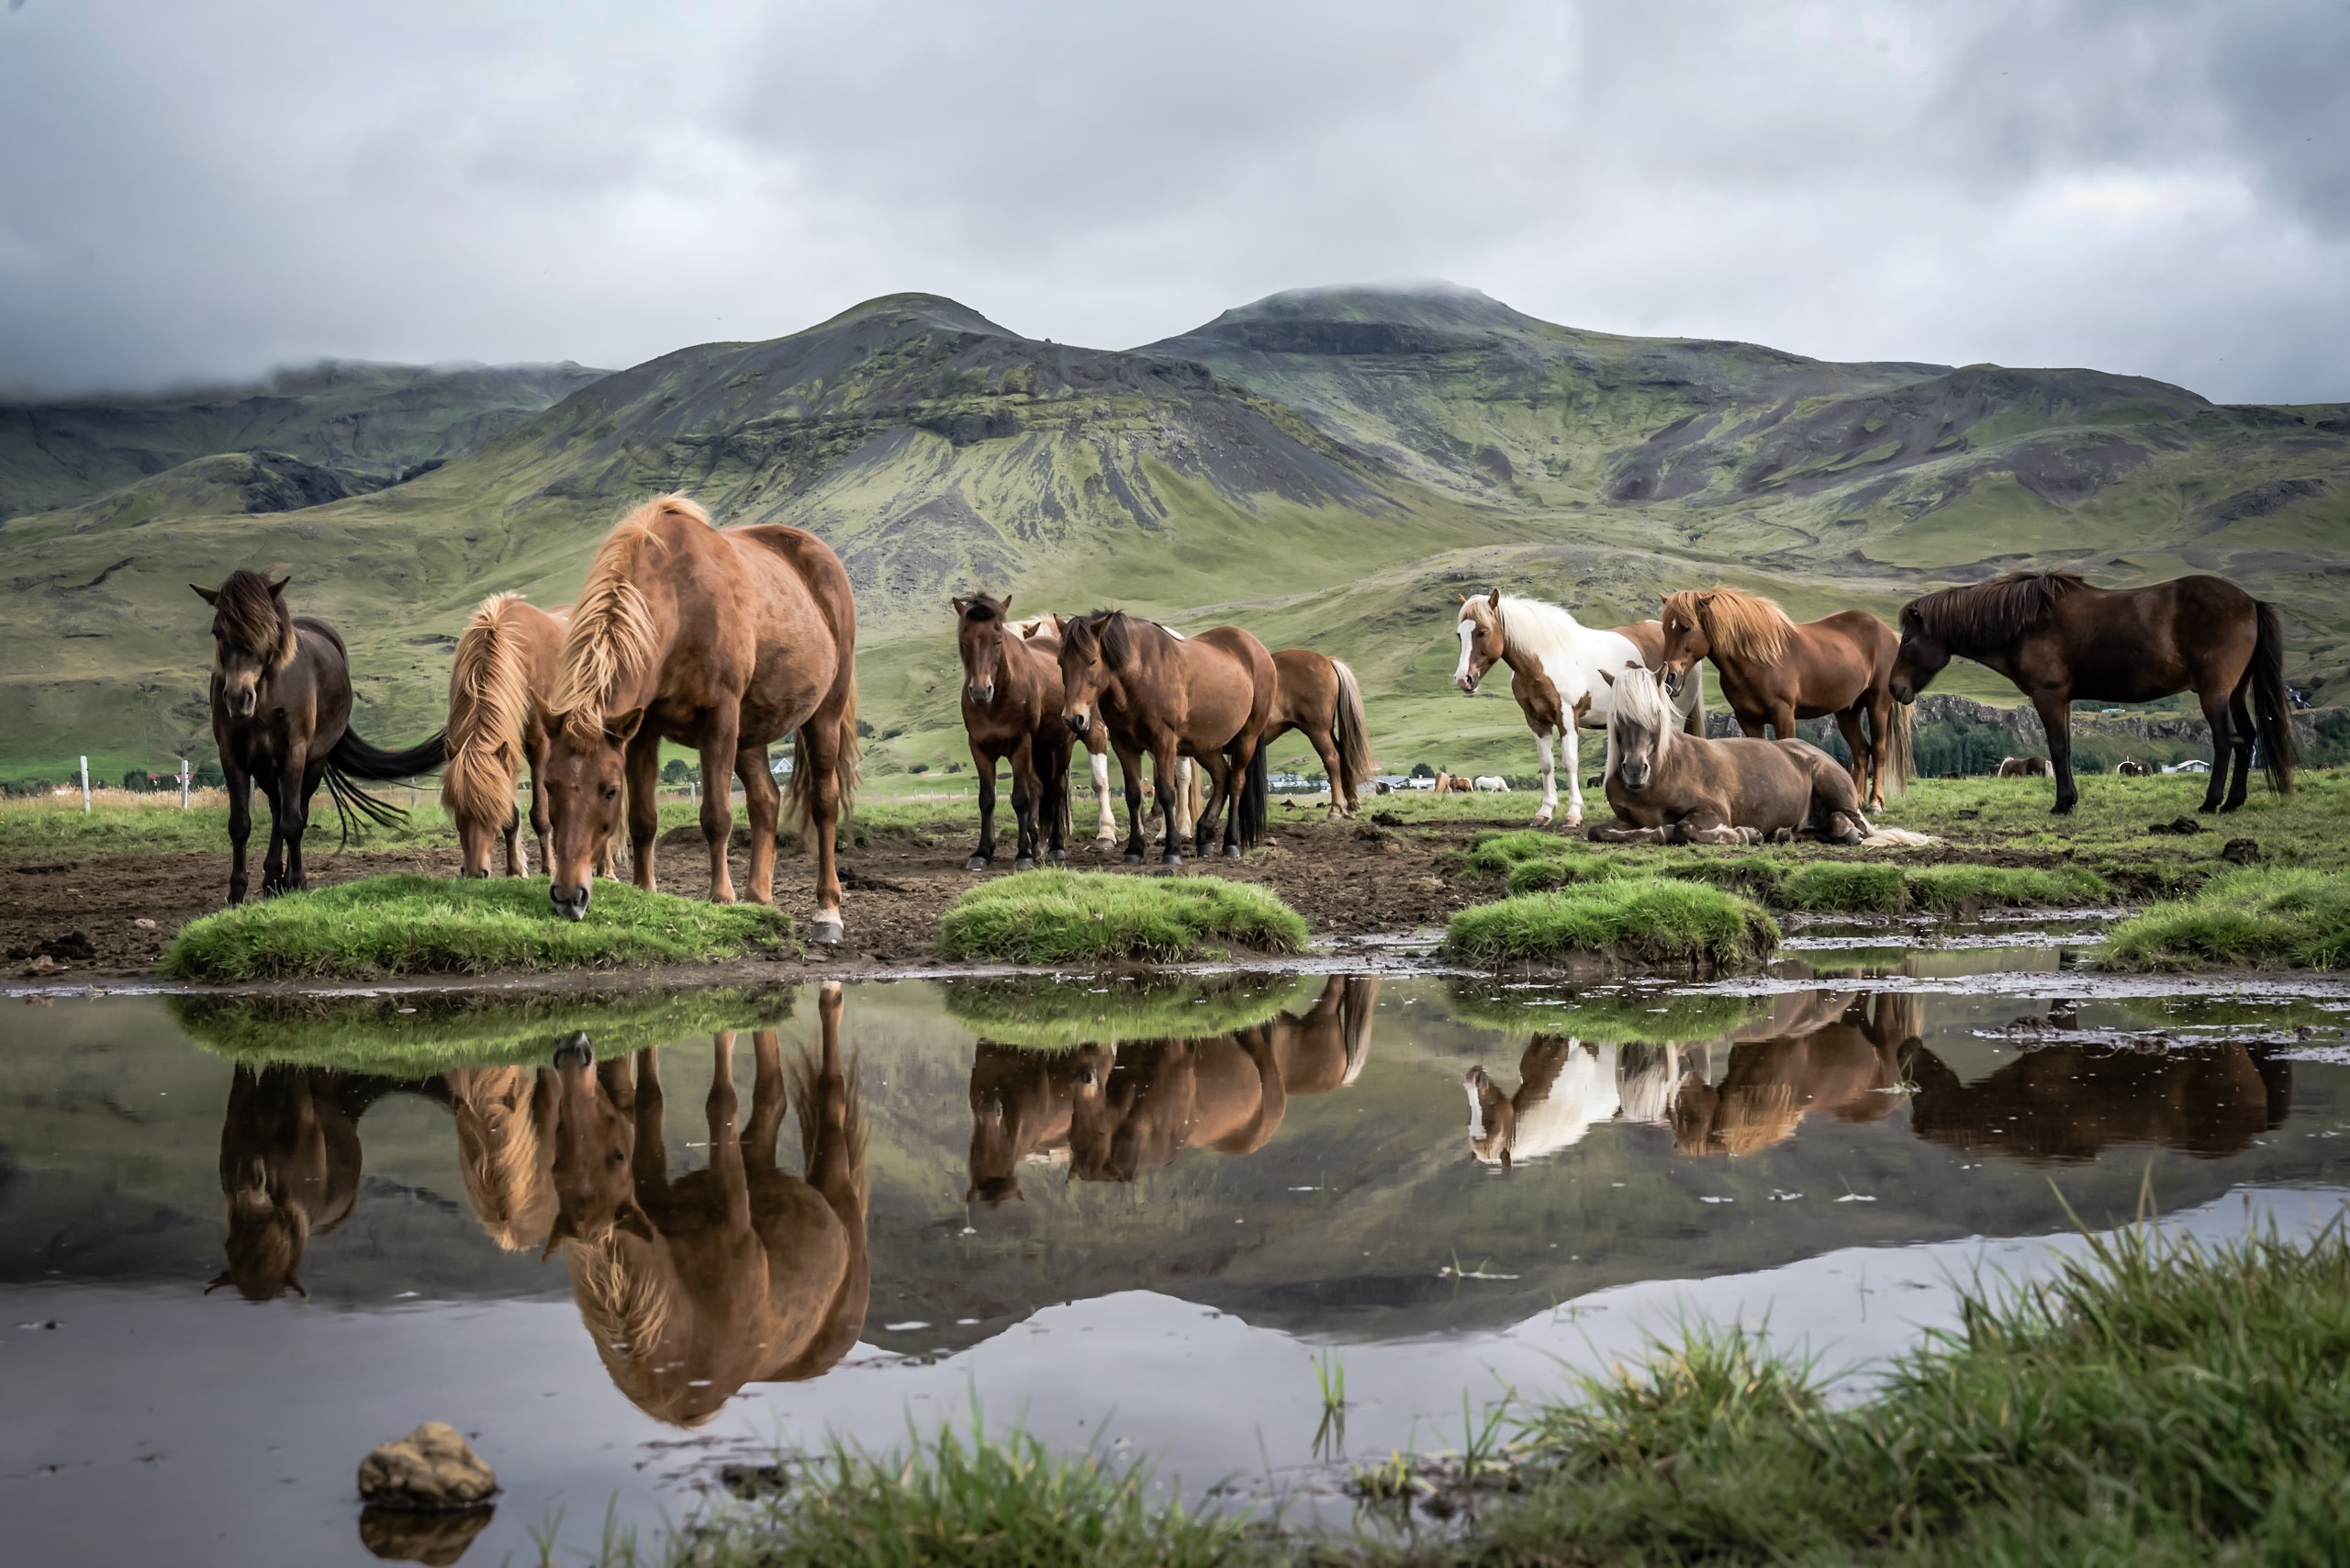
110,916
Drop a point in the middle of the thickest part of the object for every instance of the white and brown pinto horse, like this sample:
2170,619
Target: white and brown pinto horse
1555,662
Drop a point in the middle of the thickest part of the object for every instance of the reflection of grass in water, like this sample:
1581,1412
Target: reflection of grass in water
373,1034
1607,1019
1047,1014
1828,961
2256,917
2269,1015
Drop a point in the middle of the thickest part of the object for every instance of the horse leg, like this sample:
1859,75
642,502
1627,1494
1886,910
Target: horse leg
641,770
273,859
1574,739
300,785
2240,711
1105,819
725,1140
763,802
2056,717
1623,833
540,824
768,1099
820,747
717,806
1212,766
1699,831
516,865
1782,721
1130,769
1170,798
2215,713
1549,779
1865,764
240,825
983,764
1325,747
1025,793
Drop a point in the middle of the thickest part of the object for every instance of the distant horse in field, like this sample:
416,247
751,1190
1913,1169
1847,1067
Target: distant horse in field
2071,1102
281,715
1011,710
1207,697
694,1285
2130,767
289,1168
498,687
725,639
2060,640
1683,788
1835,1056
1490,783
1554,661
1776,672
2024,768
1320,696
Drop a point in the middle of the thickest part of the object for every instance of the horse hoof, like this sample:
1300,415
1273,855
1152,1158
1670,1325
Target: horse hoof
1232,852
976,863
1061,856
827,933
1173,861
576,1051
1134,859
1022,863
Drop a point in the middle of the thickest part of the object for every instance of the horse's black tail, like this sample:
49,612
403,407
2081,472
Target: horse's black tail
1252,801
2272,710
353,759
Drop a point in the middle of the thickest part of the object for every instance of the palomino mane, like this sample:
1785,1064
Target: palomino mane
1641,702
256,621
489,704
625,1306
502,1178
1996,611
1744,626
613,638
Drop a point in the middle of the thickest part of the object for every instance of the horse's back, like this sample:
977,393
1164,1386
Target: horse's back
810,561
323,632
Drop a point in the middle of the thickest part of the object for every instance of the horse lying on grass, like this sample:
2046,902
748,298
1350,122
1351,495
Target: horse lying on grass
1669,788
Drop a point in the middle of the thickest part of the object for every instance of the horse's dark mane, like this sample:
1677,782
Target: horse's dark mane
1996,611
253,620
978,608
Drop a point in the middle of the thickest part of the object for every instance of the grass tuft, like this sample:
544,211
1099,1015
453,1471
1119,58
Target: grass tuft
1848,887
2258,918
1058,917
408,925
1642,918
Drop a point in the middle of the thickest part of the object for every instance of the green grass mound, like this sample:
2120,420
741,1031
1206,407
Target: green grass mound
411,1036
1043,1013
409,925
2254,918
1057,917
1608,1019
1646,920
1854,887
2161,1402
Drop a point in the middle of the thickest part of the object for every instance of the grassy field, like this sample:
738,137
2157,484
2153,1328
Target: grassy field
1644,919
408,925
1058,917
2255,919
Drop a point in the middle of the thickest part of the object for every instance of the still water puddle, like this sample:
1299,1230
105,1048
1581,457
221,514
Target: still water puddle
624,1241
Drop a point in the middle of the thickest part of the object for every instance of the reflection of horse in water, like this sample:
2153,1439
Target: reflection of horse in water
738,1273
506,1119
1121,1110
289,1168
1564,1089
2069,1102
1820,1052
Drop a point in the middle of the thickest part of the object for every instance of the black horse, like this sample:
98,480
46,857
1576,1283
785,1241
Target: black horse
281,713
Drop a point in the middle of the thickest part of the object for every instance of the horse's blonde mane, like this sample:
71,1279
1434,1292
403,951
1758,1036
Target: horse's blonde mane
613,638
1639,699
1743,626
490,703
1536,628
625,1306
504,1180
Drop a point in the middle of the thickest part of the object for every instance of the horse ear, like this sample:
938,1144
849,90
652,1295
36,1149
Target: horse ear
960,603
1003,606
620,728
1607,676
209,596
1464,597
1494,598
277,590
223,1277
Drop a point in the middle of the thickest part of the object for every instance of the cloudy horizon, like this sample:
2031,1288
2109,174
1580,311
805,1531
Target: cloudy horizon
199,194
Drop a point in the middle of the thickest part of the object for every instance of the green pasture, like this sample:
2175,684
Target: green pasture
2258,918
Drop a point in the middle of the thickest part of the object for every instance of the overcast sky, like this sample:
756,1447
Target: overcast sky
207,188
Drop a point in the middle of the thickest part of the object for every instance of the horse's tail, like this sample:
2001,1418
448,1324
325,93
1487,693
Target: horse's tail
800,796
1350,731
1252,799
353,759
2272,711
1894,758
1692,722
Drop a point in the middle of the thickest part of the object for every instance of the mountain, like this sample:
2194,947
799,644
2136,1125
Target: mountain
1331,466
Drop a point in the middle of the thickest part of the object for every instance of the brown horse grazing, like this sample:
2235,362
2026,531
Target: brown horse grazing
498,687
281,715
1836,1057
1011,708
720,639
1683,788
289,1168
2059,639
2071,1102
1776,672
693,1286
1320,696
1206,697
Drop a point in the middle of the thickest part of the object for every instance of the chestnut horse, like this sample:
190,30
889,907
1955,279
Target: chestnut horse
1011,708
1207,697
1683,788
281,715
1776,672
694,1285
499,685
720,639
1320,696
1097,744
2059,639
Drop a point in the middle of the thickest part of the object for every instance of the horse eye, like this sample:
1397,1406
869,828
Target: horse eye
611,792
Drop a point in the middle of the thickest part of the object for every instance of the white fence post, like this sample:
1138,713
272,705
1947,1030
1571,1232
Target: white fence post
182,783
86,785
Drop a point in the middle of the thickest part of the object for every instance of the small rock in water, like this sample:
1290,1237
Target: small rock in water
431,1468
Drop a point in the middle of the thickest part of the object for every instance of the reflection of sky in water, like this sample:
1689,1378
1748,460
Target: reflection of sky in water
1820,1156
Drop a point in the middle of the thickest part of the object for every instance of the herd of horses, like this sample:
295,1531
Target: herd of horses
731,640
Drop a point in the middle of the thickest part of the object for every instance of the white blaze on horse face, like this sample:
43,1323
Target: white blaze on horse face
1461,676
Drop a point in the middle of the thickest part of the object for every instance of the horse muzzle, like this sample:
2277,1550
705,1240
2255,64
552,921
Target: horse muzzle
242,704
1902,691
1673,680
1080,722
569,903
1467,683
1633,774
982,695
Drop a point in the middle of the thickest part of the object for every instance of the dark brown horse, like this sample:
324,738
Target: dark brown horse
2060,640
725,639
694,1285
1672,788
1776,672
1011,710
1207,698
2070,1102
1320,696
289,1168
281,715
